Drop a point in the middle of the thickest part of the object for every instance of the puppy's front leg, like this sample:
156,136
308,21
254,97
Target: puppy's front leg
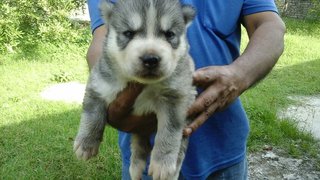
164,156
92,125
140,150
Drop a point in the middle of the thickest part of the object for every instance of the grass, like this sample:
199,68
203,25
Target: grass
296,73
36,135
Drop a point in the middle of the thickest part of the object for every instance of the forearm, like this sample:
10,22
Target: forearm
95,49
143,125
265,46
120,114
223,84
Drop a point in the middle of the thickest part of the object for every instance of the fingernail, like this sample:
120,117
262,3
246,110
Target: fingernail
188,131
196,73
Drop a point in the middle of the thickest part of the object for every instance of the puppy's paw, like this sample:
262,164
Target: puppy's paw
164,169
136,169
86,147
135,173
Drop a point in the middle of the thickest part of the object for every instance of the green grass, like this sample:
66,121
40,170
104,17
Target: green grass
36,135
296,73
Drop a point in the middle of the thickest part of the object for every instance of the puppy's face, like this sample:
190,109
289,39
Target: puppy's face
146,38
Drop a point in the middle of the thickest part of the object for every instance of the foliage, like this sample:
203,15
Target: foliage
310,27
312,13
315,11
62,77
25,23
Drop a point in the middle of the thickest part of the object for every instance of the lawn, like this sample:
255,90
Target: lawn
36,135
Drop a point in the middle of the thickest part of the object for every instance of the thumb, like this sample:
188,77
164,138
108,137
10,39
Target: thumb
204,76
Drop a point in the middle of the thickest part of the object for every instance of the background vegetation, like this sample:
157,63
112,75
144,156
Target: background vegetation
25,23
315,11
36,135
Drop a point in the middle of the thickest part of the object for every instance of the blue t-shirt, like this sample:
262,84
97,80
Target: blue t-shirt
214,38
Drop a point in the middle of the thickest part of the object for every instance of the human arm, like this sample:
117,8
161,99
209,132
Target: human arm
120,115
95,49
223,84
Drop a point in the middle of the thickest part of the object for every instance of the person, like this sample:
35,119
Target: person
218,134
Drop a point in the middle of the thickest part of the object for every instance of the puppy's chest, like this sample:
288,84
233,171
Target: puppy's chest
150,100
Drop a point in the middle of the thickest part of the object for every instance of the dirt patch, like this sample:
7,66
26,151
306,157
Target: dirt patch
274,165
71,92
306,113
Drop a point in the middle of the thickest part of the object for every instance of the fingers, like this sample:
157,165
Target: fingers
129,94
218,104
221,88
204,106
200,120
202,102
122,105
213,99
204,76
142,125
223,102
119,112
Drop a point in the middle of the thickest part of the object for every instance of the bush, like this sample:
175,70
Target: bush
315,11
25,22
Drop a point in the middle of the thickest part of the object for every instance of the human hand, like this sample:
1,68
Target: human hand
221,85
120,117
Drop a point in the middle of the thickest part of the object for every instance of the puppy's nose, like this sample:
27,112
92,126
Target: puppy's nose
150,61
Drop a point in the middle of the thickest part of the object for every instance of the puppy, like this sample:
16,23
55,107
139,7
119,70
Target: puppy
146,43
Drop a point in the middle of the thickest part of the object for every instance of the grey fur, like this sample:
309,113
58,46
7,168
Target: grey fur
124,9
168,92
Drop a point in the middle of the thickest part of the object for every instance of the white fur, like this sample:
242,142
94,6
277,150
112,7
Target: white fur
106,91
151,17
165,22
136,21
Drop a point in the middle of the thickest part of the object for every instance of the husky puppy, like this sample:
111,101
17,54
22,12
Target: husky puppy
146,43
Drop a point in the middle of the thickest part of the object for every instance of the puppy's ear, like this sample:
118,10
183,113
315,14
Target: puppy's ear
188,13
106,7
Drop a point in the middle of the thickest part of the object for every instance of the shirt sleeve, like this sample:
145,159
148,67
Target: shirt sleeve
256,6
95,15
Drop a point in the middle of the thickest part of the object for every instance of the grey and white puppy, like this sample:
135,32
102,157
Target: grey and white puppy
146,43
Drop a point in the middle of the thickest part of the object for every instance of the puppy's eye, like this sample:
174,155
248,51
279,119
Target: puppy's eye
129,34
169,35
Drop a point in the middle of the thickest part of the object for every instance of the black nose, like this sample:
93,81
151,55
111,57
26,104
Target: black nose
150,61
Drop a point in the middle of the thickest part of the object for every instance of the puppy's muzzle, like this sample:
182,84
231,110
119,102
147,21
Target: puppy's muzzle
150,61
